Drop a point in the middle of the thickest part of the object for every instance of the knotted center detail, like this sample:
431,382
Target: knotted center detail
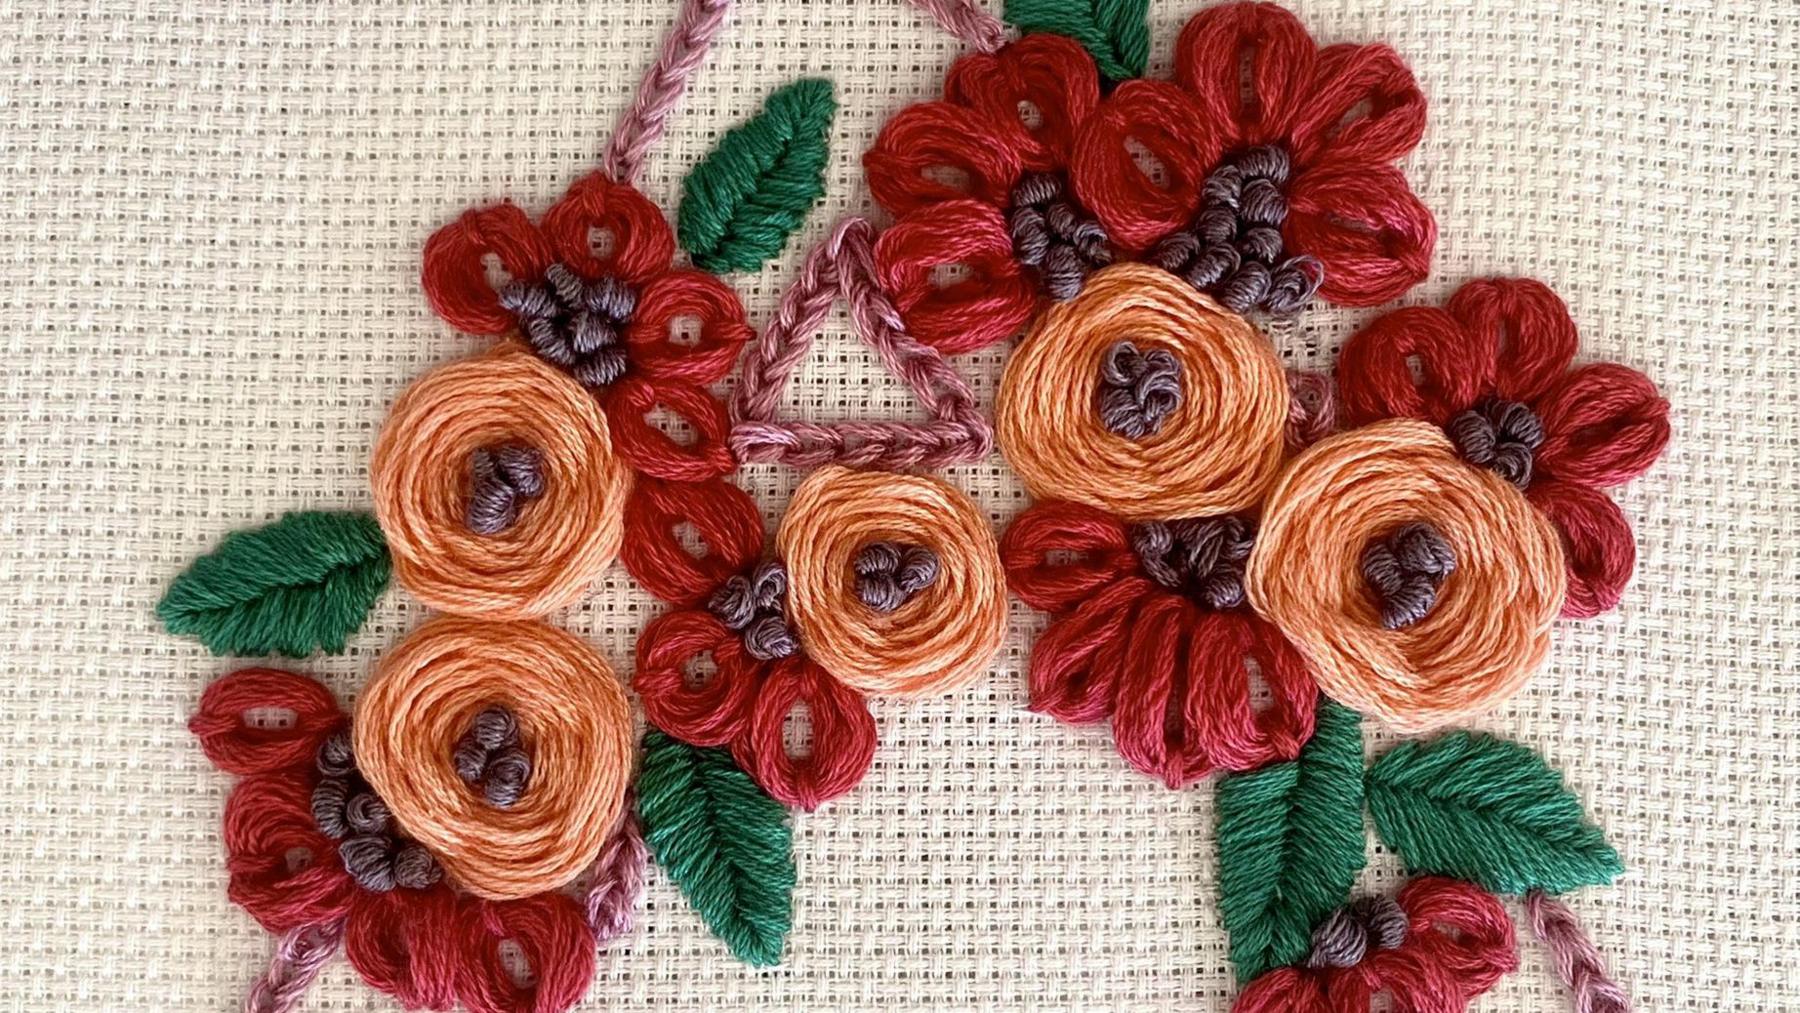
1138,389
491,757
1051,233
888,575
1502,436
1233,250
1202,557
574,325
754,607
1348,934
348,811
502,478
1405,570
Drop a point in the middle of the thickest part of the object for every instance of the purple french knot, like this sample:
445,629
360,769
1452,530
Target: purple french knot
1405,570
888,575
1350,933
753,606
492,757
1053,235
1502,436
348,811
573,325
1200,557
1138,390
844,265
502,478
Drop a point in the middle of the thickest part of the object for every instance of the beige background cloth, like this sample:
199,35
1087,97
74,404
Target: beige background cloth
210,223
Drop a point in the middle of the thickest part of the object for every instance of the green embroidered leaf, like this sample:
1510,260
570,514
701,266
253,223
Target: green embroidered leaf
1291,842
722,840
1488,811
304,583
740,204
1115,32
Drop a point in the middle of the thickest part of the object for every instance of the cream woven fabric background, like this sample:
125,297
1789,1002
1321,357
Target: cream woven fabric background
210,222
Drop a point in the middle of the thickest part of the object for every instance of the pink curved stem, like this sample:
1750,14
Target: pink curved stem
299,956
1578,962
698,23
967,22
618,879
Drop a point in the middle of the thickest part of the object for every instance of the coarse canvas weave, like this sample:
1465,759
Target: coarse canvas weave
211,216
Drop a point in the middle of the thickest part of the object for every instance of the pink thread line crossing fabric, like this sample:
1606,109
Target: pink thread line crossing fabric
967,22
843,264
699,22
1578,962
299,956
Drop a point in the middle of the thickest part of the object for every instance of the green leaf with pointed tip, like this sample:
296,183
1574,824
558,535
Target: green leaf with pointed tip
1115,32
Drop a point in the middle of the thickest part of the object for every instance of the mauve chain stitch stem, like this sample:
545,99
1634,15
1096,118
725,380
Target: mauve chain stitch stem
967,22
1578,962
618,879
684,49
299,955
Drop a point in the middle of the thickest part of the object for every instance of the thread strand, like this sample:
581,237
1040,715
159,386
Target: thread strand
617,883
1578,961
684,49
967,22
300,955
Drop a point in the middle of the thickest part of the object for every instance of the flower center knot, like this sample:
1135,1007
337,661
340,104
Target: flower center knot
502,478
1051,233
370,845
1347,935
1200,557
1502,436
888,575
1233,250
576,326
1138,389
754,606
1405,570
491,756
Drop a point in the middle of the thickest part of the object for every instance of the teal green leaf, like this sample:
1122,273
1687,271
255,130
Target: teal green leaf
740,204
1489,811
1115,32
299,585
723,841
1291,842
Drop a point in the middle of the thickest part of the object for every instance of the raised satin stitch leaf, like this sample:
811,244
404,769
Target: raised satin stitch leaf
1114,31
740,204
722,840
301,584
1291,842
1489,811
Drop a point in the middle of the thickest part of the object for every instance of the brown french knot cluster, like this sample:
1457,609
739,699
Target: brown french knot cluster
502,478
491,758
1233,250
1201,557
1051,233
1405,570
888,575
1348,935
754,607
574,325
1138,389
348,811
1499,435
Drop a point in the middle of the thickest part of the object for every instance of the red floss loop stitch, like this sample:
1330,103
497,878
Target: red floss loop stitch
722,331
1136,209
267,818
1219,43
1598,548
843,735
1098,539
1364,224
1527,326
641,244
1604,424
1365,107
942,139
1462,928
1052,74
723,516
1222,648
1077,662
1376,382
237,747
455,276
1156,712
711,713
653,452
402,943
991,305
552,937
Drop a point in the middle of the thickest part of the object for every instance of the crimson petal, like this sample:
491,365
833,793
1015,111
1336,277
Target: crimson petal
712,713
238,747
1599,552
1136,209
1604,424
268,819
1099,540
1364,224
990,305
637,244
1052,74
923,143
678,294
1076,663
1527,326
1211,55
648,449
1376,380
724,518
1364,106
843,735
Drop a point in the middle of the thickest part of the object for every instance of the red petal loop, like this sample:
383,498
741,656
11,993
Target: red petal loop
1136,209
1527,326
551,936
721,515
1603,424
403,943
712,713
237,747
1461,928
990,305
843,735
1076,664
935,151
1598,548
1098,539
1156,705
1364,106
1211,57
1364,224
1376,381
267,819
650,450
1222,649
675,295
455,278
1050,73
636,243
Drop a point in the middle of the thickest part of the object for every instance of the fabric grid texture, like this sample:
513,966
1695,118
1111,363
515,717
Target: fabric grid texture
211,216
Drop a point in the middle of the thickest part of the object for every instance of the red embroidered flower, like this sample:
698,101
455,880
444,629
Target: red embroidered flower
428,946
1027,178
1456,943
1495,371
1150,629
591,288
731,611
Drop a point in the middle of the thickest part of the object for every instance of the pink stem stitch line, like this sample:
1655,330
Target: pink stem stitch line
1577,961
698,23
967,22
844,264
299,956
618,879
